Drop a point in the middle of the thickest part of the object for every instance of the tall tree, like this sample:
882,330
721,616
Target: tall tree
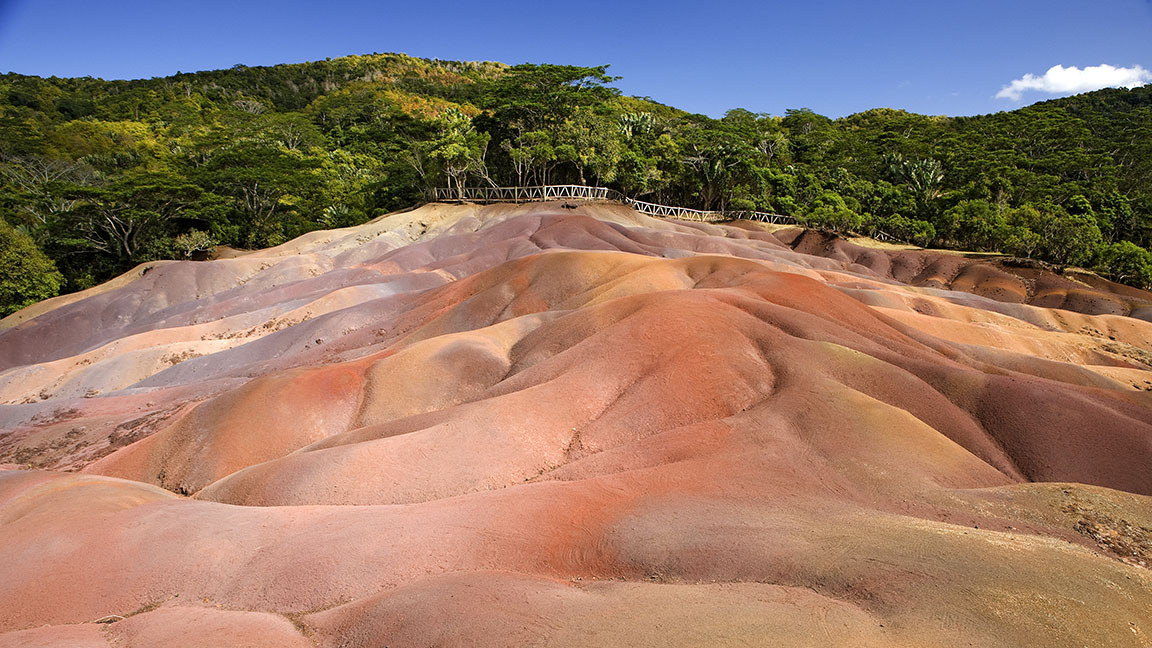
119,219
36,186
260,179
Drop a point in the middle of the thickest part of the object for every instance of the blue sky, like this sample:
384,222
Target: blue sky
834,57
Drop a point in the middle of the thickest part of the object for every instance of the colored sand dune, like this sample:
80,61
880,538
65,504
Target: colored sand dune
526,425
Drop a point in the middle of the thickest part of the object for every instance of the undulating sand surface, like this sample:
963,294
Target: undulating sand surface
535,426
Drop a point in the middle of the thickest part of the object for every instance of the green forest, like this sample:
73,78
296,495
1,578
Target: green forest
98,176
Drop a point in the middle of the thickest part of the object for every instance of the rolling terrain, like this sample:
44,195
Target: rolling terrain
473,425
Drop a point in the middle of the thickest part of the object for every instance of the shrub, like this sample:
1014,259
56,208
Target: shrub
26,275
1126,262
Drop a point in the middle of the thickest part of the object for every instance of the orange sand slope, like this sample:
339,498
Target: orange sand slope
518,426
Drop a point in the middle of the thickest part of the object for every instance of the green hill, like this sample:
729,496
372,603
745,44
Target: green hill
102,175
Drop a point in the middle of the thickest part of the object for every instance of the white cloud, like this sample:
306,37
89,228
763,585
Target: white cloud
1070,80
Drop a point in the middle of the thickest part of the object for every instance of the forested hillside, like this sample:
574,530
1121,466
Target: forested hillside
101,175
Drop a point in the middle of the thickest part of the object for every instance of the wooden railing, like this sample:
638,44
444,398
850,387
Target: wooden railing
580,192
528,194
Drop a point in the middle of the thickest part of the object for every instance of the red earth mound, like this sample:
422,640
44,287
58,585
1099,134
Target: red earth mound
493,426
1007,279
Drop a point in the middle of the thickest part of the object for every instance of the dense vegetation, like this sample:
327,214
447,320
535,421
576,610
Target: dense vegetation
101,175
